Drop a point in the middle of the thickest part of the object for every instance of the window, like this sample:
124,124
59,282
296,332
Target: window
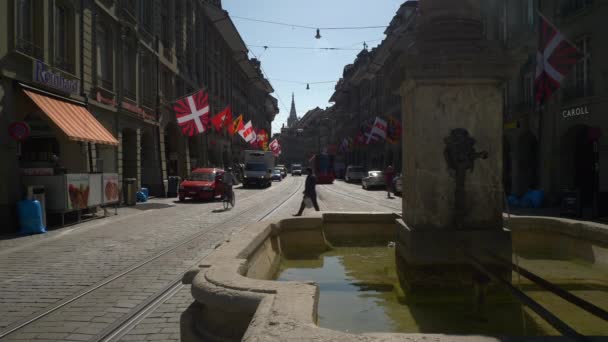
64,38
129,70
28,34
130,7
105,57
147,14
582,69
167,84
148,80
528,89
530,13
572,6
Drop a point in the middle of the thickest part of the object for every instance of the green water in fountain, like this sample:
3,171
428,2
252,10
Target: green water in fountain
360,292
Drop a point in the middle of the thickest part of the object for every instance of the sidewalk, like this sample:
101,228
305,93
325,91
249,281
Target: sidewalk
16,241
554,213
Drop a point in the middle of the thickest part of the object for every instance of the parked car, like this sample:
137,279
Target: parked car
296,170
398,184
354,174
374,179
277,174
202,184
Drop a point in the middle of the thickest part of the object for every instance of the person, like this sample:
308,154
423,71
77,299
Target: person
229,180
309,192
389,174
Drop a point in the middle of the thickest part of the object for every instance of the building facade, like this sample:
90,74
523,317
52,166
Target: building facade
561,146
125,62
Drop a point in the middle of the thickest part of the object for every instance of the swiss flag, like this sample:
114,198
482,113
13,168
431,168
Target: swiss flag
554,59
192,113
223,118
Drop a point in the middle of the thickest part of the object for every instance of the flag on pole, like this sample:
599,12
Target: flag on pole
275,147
378,131
237,125
393,133
247,132
222,119
192,113
554,59
262,138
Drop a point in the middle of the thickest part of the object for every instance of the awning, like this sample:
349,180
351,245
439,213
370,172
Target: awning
74,120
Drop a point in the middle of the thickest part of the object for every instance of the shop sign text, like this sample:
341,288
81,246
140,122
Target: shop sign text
102,99
576,111
44,75
138,110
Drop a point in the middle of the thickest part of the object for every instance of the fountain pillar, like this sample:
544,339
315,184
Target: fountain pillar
452,105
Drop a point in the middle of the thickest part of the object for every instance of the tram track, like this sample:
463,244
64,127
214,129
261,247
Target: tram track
376,200
120,327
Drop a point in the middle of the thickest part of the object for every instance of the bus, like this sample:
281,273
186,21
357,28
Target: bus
323,167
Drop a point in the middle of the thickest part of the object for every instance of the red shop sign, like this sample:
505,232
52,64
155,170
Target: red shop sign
19,130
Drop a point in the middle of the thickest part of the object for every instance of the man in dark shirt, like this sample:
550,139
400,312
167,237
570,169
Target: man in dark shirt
309,192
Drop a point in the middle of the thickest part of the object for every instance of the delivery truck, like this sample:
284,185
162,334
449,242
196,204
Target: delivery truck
258,168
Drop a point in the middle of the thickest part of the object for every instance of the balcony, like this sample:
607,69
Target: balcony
29,48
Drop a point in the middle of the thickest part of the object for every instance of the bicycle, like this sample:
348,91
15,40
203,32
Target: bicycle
228,200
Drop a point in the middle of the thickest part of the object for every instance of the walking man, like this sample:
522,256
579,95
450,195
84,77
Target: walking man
389,174
309,192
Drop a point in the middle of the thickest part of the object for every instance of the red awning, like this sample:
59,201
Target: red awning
74,120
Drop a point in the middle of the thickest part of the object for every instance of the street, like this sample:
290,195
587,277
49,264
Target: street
118,278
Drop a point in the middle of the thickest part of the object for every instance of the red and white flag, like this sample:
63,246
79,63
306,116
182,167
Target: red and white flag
223,118
247,132
554,59
192,113
275,147
378,130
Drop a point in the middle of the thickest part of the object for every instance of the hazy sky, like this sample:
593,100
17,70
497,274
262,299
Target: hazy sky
282,65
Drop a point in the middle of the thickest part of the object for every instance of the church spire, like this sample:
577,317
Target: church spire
293,116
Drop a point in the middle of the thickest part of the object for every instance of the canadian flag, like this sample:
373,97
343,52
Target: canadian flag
378,130
192,113
248,132
554,59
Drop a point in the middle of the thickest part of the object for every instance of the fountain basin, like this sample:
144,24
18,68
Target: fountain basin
237,298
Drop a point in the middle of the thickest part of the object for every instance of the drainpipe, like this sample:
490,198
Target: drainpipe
158,114
82,93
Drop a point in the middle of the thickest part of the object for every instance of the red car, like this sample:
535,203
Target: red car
202,184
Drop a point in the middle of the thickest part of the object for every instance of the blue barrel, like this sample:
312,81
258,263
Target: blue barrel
141,197
145,191
30,217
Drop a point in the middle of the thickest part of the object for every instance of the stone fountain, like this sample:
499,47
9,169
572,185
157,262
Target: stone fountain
452,104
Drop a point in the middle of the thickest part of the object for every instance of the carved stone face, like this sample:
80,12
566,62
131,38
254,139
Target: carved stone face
459,151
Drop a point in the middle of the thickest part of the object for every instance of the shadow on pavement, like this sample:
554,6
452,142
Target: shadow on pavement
150,206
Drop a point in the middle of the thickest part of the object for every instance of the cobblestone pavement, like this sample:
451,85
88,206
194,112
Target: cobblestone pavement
39,272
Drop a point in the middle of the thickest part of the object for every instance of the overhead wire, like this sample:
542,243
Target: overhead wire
306,26
303,48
